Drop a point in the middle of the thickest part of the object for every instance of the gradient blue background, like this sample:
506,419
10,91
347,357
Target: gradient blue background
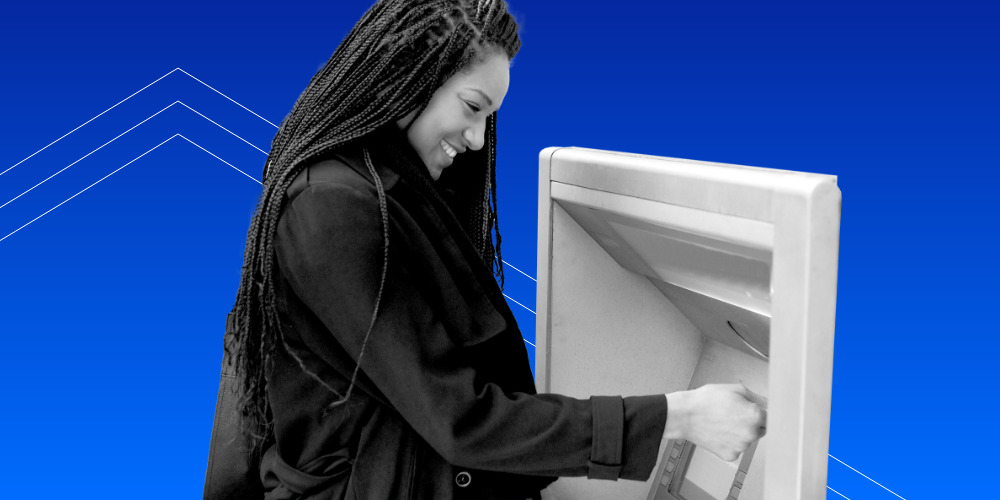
112,305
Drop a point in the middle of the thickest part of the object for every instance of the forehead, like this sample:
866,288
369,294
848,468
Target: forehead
491,76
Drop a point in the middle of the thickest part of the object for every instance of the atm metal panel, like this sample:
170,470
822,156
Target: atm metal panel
658,275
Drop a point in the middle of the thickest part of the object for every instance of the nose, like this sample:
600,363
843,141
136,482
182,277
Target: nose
474,135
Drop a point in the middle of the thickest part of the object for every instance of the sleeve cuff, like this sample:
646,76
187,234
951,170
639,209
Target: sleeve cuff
626,436
608,433
645,420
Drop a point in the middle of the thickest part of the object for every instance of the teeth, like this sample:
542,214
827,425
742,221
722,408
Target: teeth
450,151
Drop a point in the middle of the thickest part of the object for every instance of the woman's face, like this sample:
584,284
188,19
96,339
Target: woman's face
455,118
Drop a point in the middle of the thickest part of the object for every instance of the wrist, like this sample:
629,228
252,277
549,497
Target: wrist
677,416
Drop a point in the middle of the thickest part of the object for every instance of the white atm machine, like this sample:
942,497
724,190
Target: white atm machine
658,275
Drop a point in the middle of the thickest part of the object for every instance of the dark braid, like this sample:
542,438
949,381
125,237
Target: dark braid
492,254
398,54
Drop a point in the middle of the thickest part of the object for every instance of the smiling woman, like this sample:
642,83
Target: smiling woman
455,118
376,355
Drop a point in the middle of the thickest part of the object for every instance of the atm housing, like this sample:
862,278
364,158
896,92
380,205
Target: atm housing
659,275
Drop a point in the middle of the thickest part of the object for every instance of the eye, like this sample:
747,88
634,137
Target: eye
473,106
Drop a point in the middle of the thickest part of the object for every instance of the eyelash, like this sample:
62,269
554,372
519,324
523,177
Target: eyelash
473,107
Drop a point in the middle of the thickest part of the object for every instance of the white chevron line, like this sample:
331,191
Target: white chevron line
520,304
837,492
123,166
220,159
227,97
88,121
133,95
866,477
223,128
520,271
524,306
86,155
86,188
129,130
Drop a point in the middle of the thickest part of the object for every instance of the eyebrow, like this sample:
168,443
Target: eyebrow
488,100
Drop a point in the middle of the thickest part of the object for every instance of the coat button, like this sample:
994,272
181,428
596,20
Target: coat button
463,479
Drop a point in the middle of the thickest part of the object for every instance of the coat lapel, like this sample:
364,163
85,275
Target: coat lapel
400,168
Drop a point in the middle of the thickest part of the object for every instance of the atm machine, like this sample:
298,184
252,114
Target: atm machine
659,274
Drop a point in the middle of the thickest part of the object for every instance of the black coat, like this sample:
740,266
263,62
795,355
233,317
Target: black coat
444,405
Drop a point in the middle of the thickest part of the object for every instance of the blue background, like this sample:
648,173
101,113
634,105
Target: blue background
112,305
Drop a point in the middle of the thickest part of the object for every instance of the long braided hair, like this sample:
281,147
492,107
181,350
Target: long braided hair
397,55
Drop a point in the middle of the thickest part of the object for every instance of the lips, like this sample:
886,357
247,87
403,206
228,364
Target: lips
448,150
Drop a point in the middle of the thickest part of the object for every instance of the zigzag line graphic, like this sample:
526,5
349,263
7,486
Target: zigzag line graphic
129,130
117,170
131,96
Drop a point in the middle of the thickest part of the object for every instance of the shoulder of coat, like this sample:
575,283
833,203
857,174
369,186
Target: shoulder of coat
339,170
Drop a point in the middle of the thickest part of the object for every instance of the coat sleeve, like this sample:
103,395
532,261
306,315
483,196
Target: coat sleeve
330,249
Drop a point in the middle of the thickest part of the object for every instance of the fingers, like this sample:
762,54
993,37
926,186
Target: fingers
736,388
757,414
759,422
755,398
728,456
760,414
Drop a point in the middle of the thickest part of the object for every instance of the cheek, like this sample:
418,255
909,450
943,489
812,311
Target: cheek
418,135
440,119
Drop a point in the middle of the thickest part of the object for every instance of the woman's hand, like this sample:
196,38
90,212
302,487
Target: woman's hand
547,494
716,417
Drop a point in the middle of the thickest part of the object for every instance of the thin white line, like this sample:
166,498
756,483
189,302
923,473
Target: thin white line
88,187
837,492
133,95
223,128
866,477
520,271
129,130
86,155
518,303
92,119
227,97
220,159
522,305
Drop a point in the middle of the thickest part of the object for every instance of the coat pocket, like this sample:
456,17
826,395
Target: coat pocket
325,476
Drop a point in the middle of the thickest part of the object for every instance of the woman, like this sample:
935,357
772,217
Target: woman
377,356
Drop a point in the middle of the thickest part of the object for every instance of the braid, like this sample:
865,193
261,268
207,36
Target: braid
388,66
493,217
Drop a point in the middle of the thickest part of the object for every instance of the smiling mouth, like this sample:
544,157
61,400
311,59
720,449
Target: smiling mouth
448,150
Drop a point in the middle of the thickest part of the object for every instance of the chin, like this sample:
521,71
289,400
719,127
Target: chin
440,168
436,172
